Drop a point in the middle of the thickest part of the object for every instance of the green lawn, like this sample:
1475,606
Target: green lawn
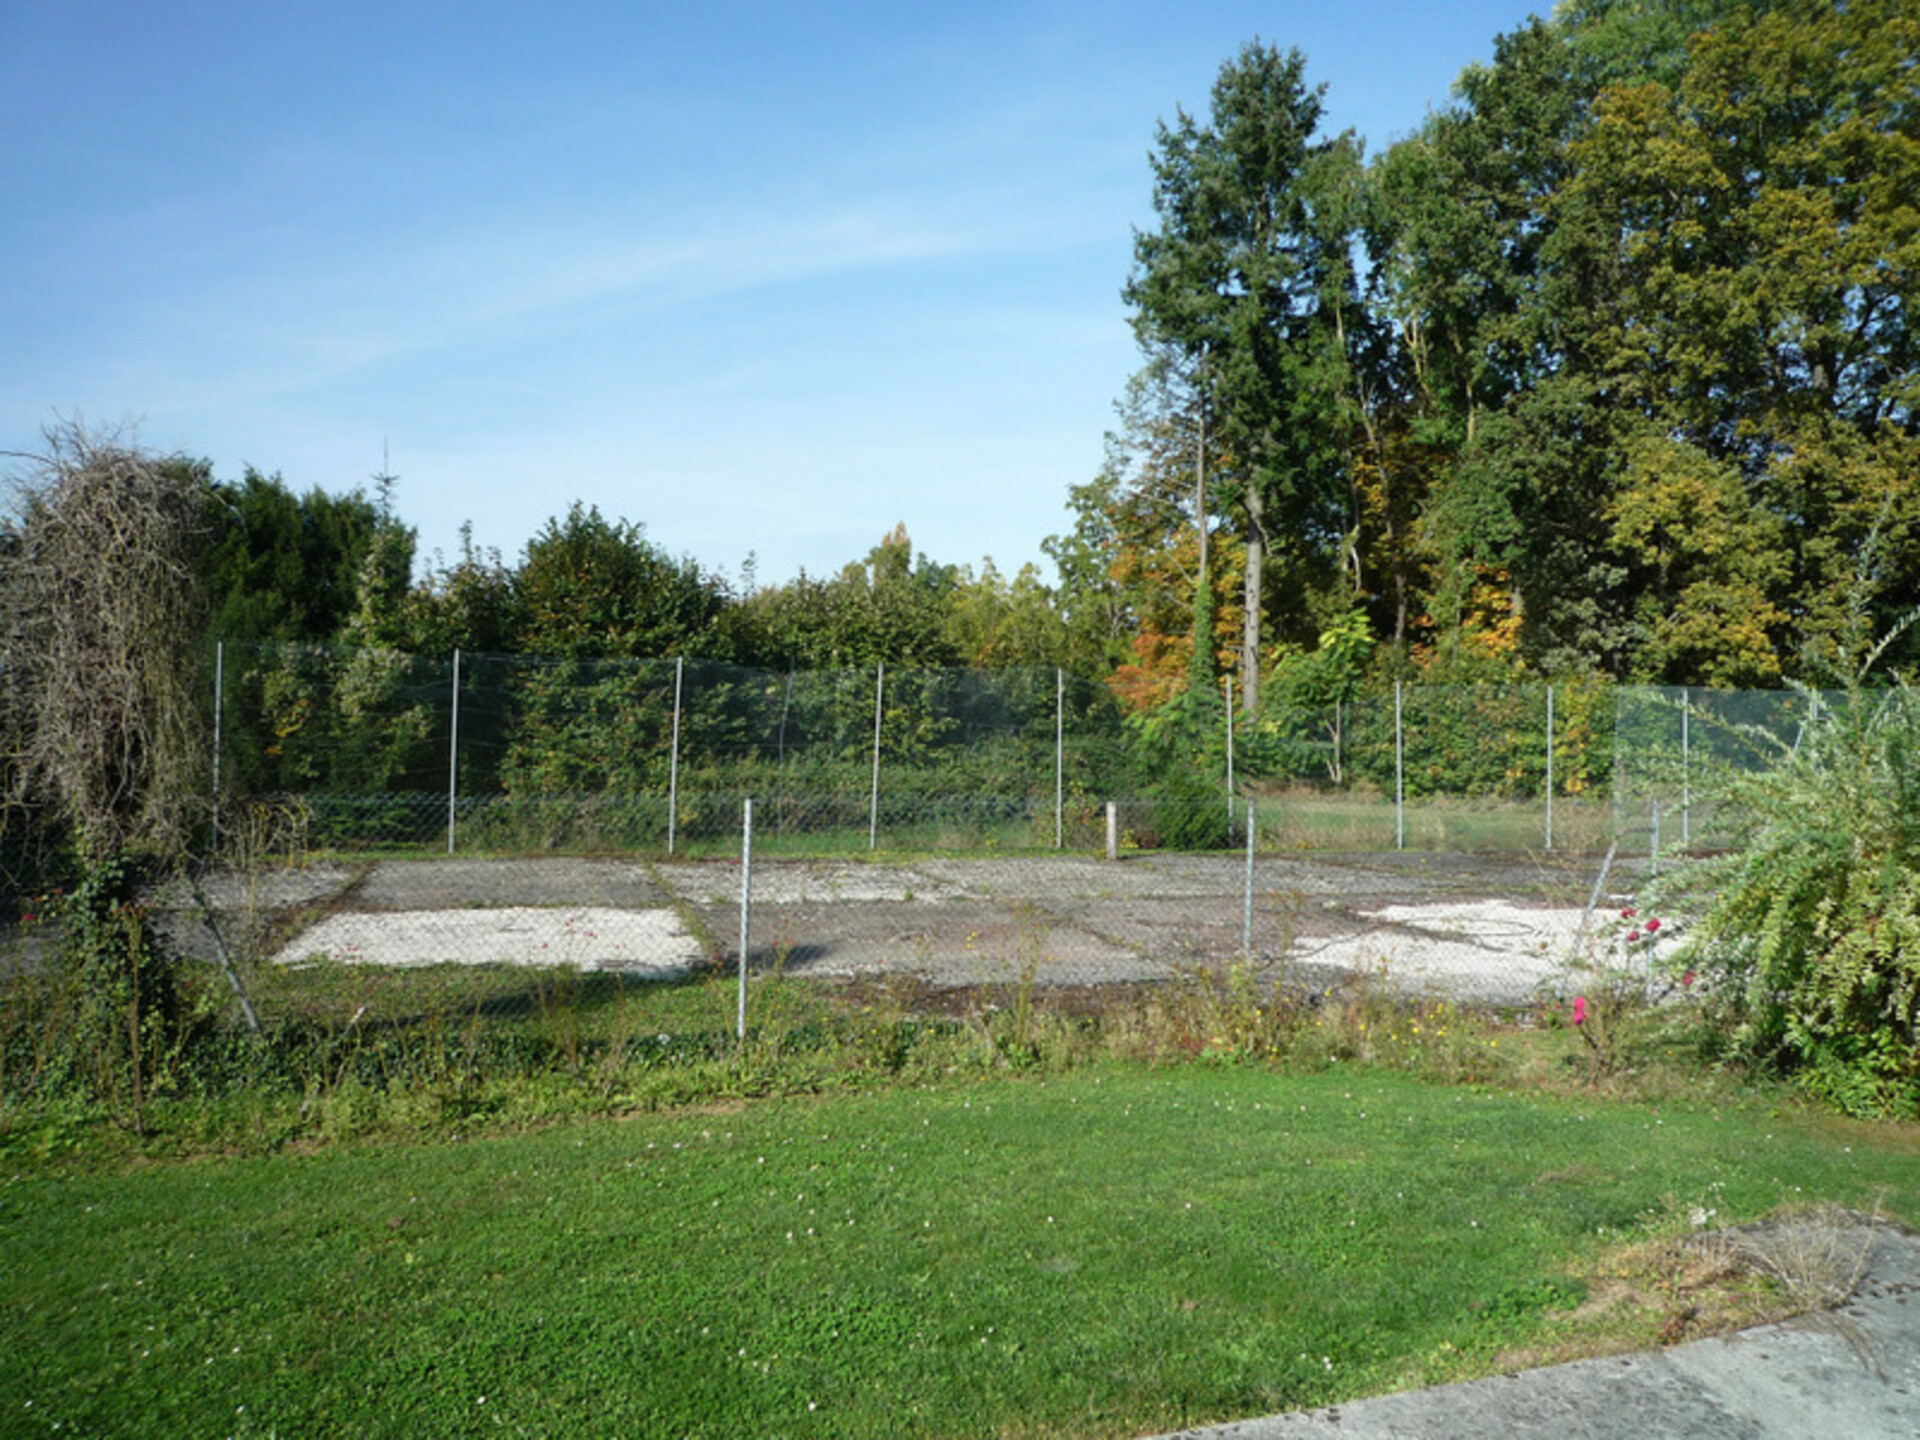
1110,1252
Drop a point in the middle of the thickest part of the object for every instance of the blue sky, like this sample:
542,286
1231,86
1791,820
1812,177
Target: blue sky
767,279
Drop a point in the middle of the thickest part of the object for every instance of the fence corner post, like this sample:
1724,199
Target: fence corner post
219,702
673,755
453,757
1399,773
1549,765
879,710
1059,757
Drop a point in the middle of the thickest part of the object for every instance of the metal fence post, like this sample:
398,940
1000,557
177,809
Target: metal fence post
1813,714
1246,918
673,757
1686,771
219,700
1059,757
746,905
1399,776
453,755
1113,830
786,704
873,806
1549,765
1226,685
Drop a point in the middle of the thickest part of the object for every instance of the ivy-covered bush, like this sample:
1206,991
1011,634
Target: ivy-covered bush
112,1018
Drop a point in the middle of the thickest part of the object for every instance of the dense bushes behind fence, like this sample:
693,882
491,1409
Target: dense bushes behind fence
528,753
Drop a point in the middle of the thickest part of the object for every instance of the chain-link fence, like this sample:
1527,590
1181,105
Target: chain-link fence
396,812
388,809
518,754
523,840
339,751
1678,749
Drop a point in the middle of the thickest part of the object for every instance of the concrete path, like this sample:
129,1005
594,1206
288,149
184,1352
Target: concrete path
1849,1374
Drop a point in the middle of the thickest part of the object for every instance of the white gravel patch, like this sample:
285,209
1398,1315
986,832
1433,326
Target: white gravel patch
650,942
1488,950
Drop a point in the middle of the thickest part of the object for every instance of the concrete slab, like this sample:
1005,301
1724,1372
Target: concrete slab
1853,1372
643,942
1484,951
1069,920
1473,928
268,888
942,942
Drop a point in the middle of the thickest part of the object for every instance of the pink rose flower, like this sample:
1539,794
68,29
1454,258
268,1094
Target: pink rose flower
1579,1009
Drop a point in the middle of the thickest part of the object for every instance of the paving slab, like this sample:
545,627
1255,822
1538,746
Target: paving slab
1486,951
639,942
1431,924
816,882
1853,1372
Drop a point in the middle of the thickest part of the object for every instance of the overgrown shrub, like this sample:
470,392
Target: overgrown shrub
1810,936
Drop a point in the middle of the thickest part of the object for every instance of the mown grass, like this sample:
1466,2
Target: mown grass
1113,1251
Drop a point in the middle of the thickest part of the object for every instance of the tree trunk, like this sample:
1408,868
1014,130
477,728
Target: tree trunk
1250,635
1200,502
1200,667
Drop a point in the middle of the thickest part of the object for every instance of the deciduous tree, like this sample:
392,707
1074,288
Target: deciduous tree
1238,278
589,587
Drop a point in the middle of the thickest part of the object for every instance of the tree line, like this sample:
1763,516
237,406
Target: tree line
1607,369
323,569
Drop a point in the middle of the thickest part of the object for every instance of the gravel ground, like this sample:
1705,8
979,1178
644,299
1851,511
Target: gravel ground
1477,928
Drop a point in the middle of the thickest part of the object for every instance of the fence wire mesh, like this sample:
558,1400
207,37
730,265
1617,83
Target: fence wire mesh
483,753
538,811
514,752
